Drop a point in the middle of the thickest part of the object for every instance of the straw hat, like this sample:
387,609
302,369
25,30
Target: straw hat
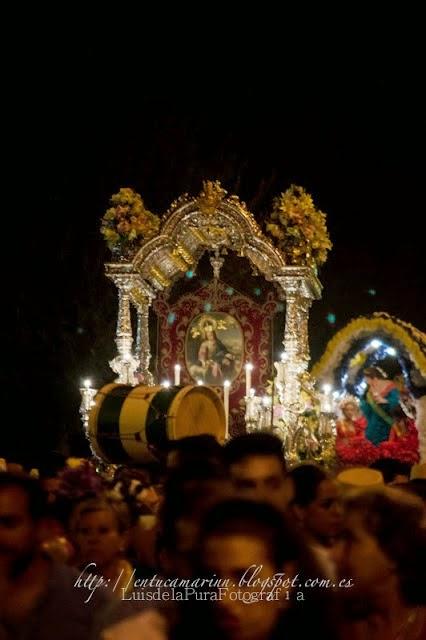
361,477
418,471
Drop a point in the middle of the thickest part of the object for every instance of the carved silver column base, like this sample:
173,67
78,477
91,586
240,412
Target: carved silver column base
87,402
125,367
146,378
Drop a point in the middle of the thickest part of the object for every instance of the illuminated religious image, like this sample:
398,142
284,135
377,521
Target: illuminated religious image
214,348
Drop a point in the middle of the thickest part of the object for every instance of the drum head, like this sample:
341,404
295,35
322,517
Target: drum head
196,410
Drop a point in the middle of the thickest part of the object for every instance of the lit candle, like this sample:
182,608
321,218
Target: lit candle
249,369
177,375
326,400
165,384
226,386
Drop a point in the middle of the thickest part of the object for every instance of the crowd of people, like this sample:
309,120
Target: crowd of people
212,541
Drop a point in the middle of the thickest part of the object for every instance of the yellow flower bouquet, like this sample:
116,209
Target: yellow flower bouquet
299,229
127,222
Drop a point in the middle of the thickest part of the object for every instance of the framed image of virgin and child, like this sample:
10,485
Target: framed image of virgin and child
214,348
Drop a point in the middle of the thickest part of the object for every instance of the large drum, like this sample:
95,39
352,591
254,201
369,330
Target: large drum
126,421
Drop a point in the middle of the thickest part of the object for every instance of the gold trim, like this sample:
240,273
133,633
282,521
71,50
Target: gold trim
185,254
211,196
160,277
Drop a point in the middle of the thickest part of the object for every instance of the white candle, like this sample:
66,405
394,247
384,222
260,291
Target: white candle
226,386
249,369
177,375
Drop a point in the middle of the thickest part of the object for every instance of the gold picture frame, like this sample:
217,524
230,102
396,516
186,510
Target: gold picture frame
214,348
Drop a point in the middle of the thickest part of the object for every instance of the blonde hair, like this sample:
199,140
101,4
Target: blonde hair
348,400
91,505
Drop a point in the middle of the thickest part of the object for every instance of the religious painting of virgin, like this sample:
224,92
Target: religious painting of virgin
214,348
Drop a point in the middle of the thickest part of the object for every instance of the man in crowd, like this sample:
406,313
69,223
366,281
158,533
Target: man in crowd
39,599
257,466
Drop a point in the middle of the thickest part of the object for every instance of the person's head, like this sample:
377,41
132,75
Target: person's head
99,530
375,377
416,487
392,470
317,502
384,547
349,408
51,486
257,466
22,510
237,537
208,331
189,493
191,450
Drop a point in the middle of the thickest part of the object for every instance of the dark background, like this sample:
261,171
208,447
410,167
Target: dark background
88,118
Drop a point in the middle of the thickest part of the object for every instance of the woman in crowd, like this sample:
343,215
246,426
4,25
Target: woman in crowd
384,553
98,529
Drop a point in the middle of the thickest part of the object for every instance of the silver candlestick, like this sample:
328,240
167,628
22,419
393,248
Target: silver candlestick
87,394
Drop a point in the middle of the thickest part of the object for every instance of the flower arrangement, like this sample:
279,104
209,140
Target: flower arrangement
404,451
299,228
360,451
79,481
402,446
127,222
357,451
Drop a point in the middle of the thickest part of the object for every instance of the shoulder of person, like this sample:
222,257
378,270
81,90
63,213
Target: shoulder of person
66,612
67,587
149,625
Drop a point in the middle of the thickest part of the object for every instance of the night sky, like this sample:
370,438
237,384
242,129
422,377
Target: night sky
93,120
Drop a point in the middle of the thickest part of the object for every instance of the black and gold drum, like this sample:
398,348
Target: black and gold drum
127,423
